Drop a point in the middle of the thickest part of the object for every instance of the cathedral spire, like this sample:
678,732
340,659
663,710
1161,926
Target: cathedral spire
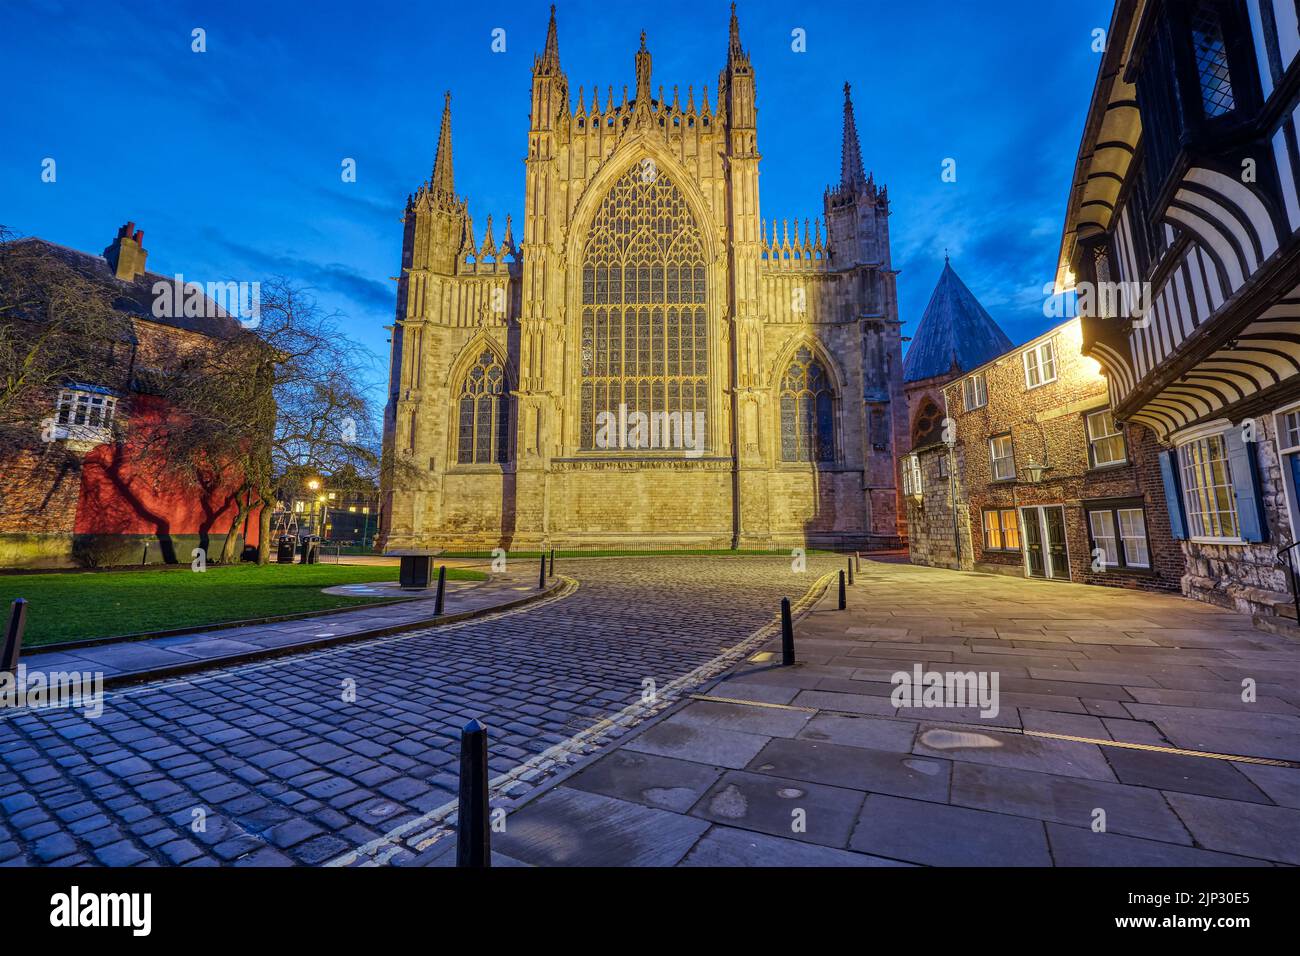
851,174
550,61
643,75
442,181
735,53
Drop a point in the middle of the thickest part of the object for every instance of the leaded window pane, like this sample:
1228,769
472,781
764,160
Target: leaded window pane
483,412
646,244
807,411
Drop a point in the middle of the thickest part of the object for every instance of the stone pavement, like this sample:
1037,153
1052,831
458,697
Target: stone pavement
814,765
348,754
158,656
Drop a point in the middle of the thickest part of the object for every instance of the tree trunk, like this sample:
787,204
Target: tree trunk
264,535
228,548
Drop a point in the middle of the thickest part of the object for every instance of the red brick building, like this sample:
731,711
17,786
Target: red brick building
75,488
1038,480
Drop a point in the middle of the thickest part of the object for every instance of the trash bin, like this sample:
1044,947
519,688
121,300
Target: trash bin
311,550
285,548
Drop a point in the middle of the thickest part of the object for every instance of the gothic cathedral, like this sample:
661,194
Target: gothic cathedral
651,367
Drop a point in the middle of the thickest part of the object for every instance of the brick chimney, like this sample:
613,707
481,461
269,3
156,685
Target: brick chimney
126,254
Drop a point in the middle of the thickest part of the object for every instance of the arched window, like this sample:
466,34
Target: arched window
928,426
807,417
644,336
483,435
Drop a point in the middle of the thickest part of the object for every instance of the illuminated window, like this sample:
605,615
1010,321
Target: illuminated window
644,337
483,409
1003,458
1001,530
1105,441
1040,364
807,417
1208,491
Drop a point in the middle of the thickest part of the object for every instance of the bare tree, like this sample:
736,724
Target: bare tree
283,398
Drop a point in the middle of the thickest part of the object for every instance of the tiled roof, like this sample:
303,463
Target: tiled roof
136,298
955,333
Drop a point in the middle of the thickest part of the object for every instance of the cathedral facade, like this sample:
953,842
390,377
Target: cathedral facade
655,365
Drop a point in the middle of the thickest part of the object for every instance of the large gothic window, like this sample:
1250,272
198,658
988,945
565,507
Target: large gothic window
807,417
644,332
483,408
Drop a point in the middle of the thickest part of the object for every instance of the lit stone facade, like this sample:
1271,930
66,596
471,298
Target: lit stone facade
647,281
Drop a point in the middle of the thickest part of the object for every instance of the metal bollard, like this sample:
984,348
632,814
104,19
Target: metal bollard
442,589
552,562
541,576
850,570
843,601
787,634
857,561
473,827
14,637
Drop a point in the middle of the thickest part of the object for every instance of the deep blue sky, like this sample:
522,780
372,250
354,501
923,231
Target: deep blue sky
230,159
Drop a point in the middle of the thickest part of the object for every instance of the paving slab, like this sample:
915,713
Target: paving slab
568,827
871,733
708,745
1249,829
1075,846
857,768
1167,771
1135,811
660,782
1064,757
942,835
729,846
792,809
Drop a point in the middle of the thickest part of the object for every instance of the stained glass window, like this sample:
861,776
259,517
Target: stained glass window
807,418
483,414
644,337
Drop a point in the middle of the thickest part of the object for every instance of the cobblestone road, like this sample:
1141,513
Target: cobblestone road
280,768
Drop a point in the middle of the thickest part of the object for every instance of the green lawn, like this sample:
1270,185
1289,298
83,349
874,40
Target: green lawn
75,606
631,554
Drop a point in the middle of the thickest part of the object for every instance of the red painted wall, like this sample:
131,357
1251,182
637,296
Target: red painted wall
122,493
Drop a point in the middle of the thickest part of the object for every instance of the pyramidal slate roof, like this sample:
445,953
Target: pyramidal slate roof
954,331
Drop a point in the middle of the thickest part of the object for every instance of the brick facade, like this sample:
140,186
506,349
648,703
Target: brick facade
1047,426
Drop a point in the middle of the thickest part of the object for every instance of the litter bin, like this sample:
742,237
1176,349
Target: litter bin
285,548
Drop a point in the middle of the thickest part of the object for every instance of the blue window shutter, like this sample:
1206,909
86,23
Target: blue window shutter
1244,462
1173,495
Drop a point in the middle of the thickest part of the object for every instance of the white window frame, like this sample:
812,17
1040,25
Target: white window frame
1093,440
1044,357
975,392
994,457
96,408
1108,542
1144,565
912,484
1186,470
1285,449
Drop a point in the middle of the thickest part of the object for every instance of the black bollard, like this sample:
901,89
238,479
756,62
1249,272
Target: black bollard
843,601
541,576
850,570
473,826
787,634
442,589
14,637
552,562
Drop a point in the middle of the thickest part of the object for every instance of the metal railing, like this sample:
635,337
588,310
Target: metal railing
1289,557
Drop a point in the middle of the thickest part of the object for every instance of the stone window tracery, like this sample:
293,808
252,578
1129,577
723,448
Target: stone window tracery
483,414
807,416
644,332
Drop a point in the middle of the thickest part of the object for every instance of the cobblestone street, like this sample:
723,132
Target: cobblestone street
268,763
